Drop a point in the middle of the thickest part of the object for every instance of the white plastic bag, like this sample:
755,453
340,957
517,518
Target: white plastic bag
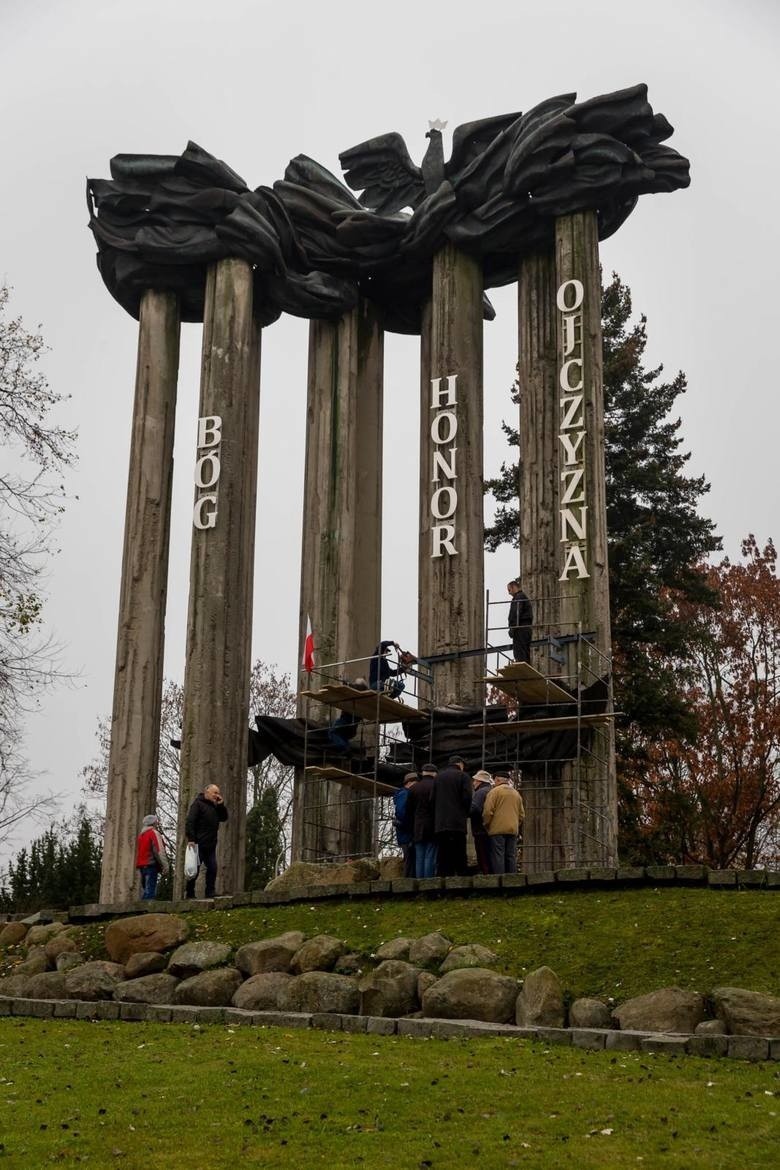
191,861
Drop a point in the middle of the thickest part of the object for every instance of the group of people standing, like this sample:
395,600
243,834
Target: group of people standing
432,811
206,813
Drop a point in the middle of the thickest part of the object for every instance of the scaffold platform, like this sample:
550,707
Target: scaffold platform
373,706
351,779
520,681
554,723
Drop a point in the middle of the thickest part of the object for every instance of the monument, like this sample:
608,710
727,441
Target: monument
522,198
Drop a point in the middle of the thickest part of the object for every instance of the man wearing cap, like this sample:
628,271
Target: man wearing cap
420,804
502,815
482,782
453,805
404,834
150,856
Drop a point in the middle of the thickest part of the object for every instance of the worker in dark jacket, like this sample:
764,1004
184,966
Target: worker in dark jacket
521,616
404,833
207,812
453,805
483,782
420,806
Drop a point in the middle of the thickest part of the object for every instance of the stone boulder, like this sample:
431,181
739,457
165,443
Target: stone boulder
711,1028
14,985
61,944
540,1001
320,991
351,964
747,1013
270,954
429,950
589,1013
669,1009
145,963
471,955
214,988
308,873
95,980
317,954
158,988
425,980
390,868
194,957
47,985
394,948
260,993
146,932
38,936
389,990
68,960
35,963
12,934
471,993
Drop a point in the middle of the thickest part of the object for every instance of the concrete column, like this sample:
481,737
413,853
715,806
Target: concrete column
451,548
219,625
539,524
582,560
135,720
341,549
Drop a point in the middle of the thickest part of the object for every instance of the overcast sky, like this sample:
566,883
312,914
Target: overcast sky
256,83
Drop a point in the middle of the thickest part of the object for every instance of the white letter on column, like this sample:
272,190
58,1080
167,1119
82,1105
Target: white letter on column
578,290
564,378
574,560
441,397
579,527
207,481
452,424
443,540
440,464
444,512
209,430
571,448
570,406
210,519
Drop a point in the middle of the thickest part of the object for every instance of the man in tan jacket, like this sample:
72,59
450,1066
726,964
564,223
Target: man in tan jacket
502,816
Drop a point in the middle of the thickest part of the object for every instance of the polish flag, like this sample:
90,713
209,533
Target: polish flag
308,648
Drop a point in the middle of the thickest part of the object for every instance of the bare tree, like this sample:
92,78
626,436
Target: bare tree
269,693
36,453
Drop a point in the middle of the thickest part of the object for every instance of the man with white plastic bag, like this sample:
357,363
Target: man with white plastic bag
207,812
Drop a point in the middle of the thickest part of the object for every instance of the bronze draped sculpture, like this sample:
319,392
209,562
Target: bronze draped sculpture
315,247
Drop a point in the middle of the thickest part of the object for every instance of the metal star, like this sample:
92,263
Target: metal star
437,124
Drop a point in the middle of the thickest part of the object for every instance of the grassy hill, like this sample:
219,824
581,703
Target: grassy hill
613,943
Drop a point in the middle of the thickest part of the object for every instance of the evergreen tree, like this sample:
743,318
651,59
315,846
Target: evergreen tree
264,839
657,539
60,869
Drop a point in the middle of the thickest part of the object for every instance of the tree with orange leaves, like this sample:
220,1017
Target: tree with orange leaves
716,799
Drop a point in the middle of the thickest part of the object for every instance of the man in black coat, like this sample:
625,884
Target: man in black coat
453,804
521,616
419,817
207,812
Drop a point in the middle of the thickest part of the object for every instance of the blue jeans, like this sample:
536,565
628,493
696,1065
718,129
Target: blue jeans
149,875
425,857
503,849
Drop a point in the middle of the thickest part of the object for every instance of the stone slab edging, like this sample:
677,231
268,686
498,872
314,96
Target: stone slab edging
680,876
751,1048
512,884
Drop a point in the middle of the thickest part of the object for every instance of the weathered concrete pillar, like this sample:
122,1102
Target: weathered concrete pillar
543,794
219,623
583,568
341,549
135,720
451,548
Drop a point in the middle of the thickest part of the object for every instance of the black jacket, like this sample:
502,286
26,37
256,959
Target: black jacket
477,805
453,800
520,611
203,821
419,812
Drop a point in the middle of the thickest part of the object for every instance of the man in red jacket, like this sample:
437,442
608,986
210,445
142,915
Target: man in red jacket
150,856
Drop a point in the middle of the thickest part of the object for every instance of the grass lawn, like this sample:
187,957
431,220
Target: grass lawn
615,943
144,1095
